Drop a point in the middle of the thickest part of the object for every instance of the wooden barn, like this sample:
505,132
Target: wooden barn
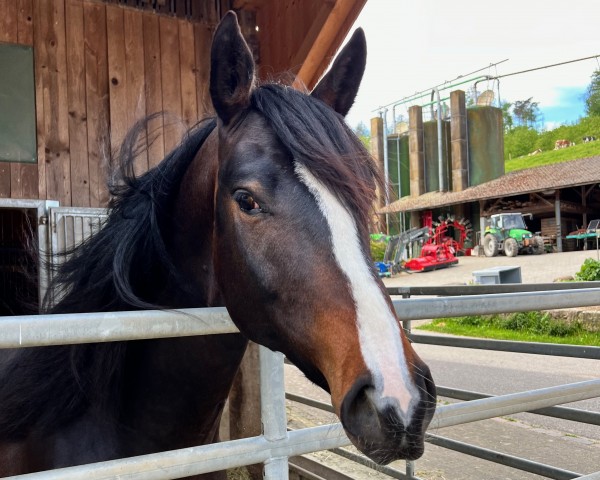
77,74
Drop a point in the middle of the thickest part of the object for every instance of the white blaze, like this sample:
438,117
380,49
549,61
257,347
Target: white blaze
378,329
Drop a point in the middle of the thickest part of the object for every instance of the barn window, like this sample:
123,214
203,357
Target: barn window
17,104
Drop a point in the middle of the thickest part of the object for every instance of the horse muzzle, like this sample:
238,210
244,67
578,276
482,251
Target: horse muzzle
377,426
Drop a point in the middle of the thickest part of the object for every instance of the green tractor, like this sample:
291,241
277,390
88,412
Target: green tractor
507,232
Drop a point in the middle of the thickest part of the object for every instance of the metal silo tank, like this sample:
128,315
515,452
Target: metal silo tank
485,144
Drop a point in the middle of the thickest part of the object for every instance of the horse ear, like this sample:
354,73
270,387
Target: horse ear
231,69
339,87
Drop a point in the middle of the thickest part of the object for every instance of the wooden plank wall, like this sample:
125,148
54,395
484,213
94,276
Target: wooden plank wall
294,25
98,69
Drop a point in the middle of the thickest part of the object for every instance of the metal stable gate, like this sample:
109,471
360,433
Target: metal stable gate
70,226
276,444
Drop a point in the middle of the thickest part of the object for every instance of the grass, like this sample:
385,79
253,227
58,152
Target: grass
575,152
524,327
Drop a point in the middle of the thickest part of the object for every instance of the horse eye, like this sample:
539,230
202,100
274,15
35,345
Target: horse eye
246,202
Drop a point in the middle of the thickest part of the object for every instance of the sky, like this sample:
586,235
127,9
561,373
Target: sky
417,44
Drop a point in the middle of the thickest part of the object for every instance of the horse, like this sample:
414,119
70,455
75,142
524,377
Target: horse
263,209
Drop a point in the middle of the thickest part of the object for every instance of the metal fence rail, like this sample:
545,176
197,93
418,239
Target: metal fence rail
276,444
565,413
510,346
503,459
426,308
32,330
454,290
235,453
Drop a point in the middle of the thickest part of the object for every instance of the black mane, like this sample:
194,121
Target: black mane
92,280
44,392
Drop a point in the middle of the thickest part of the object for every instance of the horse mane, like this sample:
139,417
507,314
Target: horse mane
99,274
318,137
51,386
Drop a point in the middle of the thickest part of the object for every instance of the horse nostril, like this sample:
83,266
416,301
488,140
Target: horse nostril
430,392
358,413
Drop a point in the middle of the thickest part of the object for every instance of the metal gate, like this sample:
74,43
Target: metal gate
70,226
277,444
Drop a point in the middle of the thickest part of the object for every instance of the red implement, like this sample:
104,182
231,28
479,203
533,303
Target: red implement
432,257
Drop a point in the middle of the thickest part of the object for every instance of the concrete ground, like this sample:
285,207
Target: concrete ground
518,435
534,269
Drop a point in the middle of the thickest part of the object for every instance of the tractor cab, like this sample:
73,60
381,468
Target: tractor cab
508,221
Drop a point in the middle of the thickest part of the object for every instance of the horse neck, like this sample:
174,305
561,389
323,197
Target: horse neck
179,386
192,222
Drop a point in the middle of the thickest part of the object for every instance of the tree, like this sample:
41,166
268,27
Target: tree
364,134
519,141
507,117
592,96
526,112
471,97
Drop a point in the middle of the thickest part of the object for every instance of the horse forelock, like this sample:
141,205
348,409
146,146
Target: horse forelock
317,137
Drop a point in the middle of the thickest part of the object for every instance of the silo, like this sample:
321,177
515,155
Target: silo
485,145
398,165
432,175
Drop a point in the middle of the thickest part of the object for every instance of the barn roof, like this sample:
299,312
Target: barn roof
574,173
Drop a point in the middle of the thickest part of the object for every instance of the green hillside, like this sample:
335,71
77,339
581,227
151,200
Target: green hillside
520,141
575,152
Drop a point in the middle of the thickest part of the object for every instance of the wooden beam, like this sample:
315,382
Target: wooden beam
539,197
154,100
340,19
584,205
317,24
187,62
97,99
171,81
558,222
136,79
587,192
52,36
76,96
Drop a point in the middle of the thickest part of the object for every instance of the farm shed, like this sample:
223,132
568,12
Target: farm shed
561,197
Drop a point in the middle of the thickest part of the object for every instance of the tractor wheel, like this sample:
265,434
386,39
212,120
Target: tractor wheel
511,247
490,245
538,245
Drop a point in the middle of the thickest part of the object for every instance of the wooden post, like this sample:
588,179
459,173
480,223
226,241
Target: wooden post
416,153
377,154
558,222
244,403
458,136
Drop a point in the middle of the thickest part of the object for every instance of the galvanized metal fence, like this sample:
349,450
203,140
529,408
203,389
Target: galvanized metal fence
518,297
276,444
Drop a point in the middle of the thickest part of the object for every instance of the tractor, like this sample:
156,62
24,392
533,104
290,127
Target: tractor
507,232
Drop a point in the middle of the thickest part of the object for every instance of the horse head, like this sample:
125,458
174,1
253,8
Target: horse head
291,250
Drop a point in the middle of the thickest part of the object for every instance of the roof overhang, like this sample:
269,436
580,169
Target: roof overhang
575,173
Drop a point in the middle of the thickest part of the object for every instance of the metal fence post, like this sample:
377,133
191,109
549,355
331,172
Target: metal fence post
410,469
272,406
